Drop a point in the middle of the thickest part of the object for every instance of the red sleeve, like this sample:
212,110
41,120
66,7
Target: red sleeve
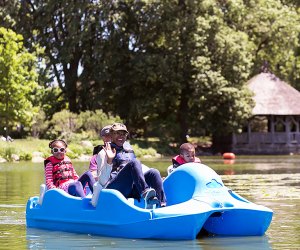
49,176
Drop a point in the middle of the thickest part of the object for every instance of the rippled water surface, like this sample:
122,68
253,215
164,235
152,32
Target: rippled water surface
270,181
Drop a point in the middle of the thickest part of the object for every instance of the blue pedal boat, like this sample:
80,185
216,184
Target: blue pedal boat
197,200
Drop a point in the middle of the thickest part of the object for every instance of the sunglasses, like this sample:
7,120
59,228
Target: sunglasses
56,150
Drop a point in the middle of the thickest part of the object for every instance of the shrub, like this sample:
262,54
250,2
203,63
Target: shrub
7,153
39,124
64,123
25,156
95,121
139,152
76,127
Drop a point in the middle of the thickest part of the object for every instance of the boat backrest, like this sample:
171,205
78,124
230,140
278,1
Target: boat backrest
170,169
43,189
179,187
112,204
191,180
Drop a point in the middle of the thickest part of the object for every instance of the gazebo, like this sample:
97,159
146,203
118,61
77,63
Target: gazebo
275,125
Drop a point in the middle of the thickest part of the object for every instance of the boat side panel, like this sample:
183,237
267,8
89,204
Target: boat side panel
239,222
172,228
58,206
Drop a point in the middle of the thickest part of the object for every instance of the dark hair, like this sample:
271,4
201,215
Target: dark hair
186,147
56,140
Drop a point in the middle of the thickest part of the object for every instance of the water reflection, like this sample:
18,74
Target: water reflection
9,214
42,239
236,243
261,187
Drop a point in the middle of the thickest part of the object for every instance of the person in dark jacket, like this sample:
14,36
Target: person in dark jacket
119,169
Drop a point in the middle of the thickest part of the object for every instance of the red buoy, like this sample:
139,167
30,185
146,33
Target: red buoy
229,155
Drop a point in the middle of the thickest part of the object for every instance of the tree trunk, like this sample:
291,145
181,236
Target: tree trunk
71,82
6,114
71,93
221,144
182,115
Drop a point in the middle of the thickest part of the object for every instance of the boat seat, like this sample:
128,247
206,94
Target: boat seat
43,189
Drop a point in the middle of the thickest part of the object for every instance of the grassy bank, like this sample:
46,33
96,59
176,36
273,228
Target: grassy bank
23,148
26,149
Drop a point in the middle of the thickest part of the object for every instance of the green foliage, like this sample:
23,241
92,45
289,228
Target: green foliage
140,152
39,124
50,100
76,127
75,150
77,43
7,152
17,80
274,29
64,123
25,156
6,10
161,147
23,148
192,64
95,121
167,68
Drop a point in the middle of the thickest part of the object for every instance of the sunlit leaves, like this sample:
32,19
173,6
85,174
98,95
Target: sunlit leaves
18,77
165,66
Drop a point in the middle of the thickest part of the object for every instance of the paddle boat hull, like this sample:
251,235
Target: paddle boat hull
196,199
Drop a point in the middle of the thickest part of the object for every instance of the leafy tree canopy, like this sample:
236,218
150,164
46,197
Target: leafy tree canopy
18,79
168,67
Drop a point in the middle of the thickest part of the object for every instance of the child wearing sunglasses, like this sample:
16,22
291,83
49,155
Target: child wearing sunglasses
60,173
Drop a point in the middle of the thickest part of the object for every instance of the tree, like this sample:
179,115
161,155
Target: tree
170,67
6,8
74,37
186,63
183,63
274,28
18,77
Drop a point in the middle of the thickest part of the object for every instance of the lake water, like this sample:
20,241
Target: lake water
270,181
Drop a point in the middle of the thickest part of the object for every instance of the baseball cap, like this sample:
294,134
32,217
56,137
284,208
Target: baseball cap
105,130
118,127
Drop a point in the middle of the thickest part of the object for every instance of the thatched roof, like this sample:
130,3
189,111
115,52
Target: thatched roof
273,96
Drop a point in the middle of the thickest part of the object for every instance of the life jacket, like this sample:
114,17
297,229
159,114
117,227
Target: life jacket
62,170
179,160
123,156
